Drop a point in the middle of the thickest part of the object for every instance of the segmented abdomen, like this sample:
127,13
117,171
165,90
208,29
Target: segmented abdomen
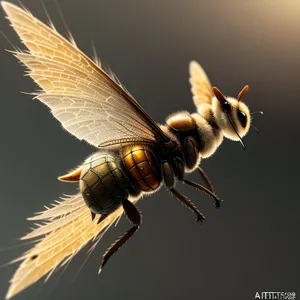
102,183
141,167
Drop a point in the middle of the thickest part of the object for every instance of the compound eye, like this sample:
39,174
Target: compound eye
226,107
242,118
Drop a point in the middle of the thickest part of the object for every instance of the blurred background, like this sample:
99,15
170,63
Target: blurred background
249,245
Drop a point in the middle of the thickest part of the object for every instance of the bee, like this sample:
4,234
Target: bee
134,156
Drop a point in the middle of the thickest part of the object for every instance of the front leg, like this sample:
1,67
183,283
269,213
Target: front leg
206,180
187,202
169,179
205,190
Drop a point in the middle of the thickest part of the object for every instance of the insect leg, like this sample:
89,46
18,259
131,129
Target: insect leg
135,217
186,201
206,180
205,190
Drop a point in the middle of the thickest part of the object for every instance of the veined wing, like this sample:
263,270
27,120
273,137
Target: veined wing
87,101
201,87
64,230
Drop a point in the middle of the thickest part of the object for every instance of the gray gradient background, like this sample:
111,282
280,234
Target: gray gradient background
252,243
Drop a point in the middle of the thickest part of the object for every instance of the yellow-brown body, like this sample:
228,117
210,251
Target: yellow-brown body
142,167
92,105
107,177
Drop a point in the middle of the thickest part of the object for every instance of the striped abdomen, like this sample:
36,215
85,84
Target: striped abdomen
141,167
102,183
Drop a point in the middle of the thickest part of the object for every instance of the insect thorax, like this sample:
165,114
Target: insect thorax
137,169
198,134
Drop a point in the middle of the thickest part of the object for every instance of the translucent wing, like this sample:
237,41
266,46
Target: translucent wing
88,102
201,87
63,230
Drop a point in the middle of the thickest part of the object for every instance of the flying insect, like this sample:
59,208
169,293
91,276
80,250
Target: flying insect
134,155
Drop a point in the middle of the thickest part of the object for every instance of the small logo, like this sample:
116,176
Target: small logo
275,295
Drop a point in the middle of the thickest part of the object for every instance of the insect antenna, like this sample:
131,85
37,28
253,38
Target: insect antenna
257,112
232,124
255,128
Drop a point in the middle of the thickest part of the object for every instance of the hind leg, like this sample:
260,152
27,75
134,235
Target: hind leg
135,217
